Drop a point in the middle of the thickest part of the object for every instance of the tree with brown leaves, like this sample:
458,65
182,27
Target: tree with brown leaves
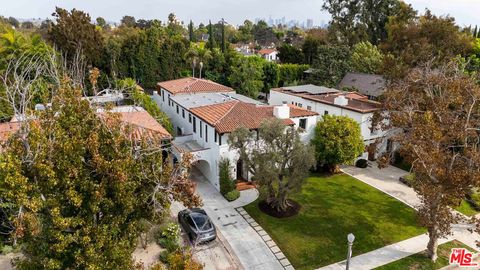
437,112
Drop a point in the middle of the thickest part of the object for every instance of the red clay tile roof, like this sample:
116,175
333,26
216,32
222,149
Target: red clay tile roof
296,111
144,123
356,102
193,85
227,117
7,129
266,51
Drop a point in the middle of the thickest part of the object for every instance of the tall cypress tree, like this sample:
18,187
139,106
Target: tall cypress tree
223,35
211,39
190,32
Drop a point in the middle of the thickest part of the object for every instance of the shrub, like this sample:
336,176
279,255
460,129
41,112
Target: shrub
183,260
169,238
232,195
407,179
226,182
163,256
361,163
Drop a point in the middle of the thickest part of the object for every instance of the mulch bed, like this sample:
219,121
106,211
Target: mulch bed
292,210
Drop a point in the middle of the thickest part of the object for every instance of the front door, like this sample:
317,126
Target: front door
240,170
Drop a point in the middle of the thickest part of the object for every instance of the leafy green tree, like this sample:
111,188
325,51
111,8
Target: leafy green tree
271,75
263,34
245,32
366,58
143,100
102,23
337,140
83,184
74,31
289,54
247,76
310,48
128,21
291,74
278,159
330,64
414,40
354,21
13,22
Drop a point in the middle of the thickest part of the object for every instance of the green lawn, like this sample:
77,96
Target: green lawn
420,261
466,209
332,207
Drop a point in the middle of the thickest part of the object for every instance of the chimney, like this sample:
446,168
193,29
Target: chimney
340,100
282,111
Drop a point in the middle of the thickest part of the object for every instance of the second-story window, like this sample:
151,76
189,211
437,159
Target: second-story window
325,113
201,130
163,95
189,117
206,133
194,125
177,110
309,108
183,113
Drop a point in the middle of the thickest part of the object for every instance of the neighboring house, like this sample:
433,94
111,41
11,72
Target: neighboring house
369,85
6,130
144,125
269,54
142,122
244,49
204,113
325,100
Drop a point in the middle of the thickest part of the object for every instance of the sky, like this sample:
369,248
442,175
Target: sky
235,12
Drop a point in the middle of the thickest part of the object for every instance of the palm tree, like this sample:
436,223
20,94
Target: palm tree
198,54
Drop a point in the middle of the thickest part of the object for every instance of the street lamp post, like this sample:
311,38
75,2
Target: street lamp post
350,238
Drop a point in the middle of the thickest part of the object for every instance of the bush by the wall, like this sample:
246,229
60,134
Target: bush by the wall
232,195
226,181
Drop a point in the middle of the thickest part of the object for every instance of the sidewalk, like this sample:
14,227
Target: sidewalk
386,180
249,247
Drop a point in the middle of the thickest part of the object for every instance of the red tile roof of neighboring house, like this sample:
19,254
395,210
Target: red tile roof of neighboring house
228,116
144,122
7,129
266,51
193,85
356,102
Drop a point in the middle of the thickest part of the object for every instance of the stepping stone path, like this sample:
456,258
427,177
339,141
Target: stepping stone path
267,239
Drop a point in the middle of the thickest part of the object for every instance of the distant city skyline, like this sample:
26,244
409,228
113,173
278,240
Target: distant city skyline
234,12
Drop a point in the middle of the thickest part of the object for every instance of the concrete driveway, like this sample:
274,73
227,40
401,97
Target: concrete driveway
385,180
248,246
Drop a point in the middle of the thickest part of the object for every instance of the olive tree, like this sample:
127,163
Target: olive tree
278,159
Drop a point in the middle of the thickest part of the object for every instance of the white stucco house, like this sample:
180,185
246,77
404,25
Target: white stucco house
270,55
204,113
325,100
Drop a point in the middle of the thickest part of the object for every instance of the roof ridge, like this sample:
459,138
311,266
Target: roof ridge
227,112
